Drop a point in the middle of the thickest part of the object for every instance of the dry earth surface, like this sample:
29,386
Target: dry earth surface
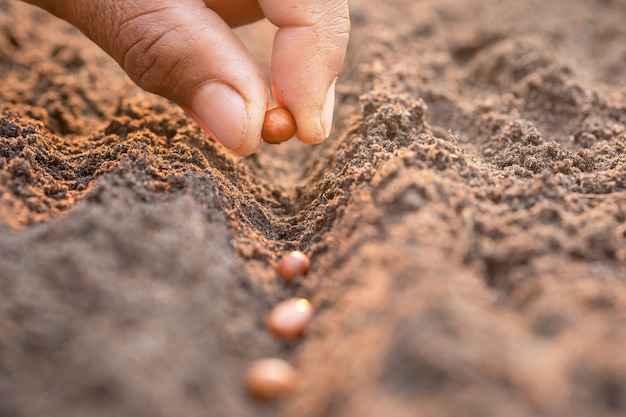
466,223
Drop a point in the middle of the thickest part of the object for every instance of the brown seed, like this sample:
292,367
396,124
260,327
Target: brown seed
288,318
293,264
278,126
271,378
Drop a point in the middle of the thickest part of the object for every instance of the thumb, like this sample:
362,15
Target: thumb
184,52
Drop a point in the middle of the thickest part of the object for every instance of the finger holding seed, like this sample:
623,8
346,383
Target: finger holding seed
307,57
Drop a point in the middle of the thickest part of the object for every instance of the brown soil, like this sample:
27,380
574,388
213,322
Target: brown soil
466,224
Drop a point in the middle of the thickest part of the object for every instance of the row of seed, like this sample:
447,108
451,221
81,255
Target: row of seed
271,378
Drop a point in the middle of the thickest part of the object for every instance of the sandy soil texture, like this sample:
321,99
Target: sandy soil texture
466,224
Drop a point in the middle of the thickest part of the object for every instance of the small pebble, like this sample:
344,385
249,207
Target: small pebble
289,318
293,264
270,378
278,126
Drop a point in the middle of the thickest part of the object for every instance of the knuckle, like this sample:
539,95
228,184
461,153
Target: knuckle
341,29
146,60
335,22
150,54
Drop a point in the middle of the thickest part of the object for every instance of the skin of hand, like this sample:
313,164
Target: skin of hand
186,52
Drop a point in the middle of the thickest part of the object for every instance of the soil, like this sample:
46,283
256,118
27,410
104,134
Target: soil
466,224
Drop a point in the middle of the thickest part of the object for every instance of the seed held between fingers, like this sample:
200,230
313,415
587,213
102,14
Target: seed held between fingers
293,264
271,378
289,318
278,126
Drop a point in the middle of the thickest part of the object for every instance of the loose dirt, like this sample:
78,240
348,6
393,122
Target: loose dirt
466,225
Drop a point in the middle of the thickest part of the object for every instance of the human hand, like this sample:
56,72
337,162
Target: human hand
186,51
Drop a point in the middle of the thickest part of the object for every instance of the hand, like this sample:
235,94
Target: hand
185,51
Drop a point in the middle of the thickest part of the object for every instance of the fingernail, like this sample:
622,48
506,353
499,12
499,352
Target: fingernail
222,112
328,109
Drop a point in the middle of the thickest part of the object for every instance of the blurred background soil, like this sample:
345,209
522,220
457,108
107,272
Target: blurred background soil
465,222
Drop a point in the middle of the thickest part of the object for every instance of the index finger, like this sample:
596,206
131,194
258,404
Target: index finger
308,53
